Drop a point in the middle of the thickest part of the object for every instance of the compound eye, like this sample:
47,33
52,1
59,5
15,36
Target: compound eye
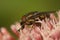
23,18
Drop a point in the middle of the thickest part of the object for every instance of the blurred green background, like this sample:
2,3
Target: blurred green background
12,10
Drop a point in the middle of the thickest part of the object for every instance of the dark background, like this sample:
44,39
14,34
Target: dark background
12,10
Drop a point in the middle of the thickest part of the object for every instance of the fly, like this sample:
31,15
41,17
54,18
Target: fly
31,17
